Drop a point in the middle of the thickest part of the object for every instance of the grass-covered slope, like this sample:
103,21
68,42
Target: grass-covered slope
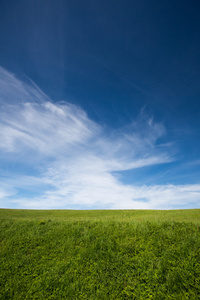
99,254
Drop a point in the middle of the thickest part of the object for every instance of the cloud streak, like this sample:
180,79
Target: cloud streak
77,161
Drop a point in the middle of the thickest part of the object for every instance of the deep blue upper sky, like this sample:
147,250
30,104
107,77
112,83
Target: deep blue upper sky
117,60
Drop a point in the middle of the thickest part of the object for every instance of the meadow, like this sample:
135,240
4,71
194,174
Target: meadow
99,254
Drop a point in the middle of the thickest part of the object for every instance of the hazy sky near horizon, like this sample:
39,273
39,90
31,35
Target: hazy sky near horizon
100,104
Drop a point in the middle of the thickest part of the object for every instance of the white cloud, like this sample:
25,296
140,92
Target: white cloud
15,91
46,128
76,158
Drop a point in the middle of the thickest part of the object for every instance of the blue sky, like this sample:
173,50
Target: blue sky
99,104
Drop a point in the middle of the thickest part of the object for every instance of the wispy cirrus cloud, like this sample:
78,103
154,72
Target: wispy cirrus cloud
66,160
45,128
14,90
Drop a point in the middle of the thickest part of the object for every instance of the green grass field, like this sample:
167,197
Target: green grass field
120,254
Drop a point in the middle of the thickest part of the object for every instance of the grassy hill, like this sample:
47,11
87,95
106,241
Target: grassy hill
110,254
